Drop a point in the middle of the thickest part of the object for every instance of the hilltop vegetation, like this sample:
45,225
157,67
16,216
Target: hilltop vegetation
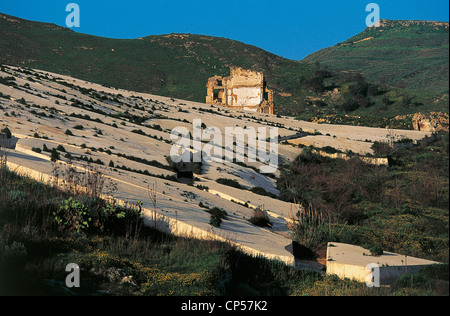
407,54
179,65
176,65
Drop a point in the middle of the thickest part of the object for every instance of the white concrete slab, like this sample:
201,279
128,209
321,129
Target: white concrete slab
354,262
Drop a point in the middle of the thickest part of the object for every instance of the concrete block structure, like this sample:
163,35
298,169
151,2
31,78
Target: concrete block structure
353,262
243,89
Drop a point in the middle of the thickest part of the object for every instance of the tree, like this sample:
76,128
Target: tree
7,132
54,155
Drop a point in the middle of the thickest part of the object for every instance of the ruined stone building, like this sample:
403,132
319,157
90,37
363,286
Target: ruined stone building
243,89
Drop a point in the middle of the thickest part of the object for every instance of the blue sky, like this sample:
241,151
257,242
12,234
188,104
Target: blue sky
292,29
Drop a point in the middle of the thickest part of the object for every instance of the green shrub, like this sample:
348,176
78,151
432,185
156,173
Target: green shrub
260,219
202,187
7,132
68,132
120,220
309,227
215,221
54,155
72,216
262,191
381,149
432,278
376,251
229,182
217,215
17,196
329,150
45,148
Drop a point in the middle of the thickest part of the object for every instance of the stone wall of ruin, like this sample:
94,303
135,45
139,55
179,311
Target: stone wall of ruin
244,89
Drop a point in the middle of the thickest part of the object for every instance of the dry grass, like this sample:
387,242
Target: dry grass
308,227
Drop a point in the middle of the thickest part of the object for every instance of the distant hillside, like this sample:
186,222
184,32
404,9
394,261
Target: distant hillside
179,65
176,65
405,54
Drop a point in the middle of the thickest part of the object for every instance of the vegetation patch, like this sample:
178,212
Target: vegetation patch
229,182
217,216
402,208
260,218
117,259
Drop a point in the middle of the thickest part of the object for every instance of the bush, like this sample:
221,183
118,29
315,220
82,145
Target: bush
329,150
7,132
217,215
97,216
260,219
433,278
196,167
262,191
376,251
309,227
119,220
68,132
215,221
72,216
54,155
381,149
229,182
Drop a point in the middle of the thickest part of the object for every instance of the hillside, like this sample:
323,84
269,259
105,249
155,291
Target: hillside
178,65
101,151
129,136
175,65
406,54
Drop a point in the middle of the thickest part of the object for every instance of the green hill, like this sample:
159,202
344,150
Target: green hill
179,65
176,65
406,54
